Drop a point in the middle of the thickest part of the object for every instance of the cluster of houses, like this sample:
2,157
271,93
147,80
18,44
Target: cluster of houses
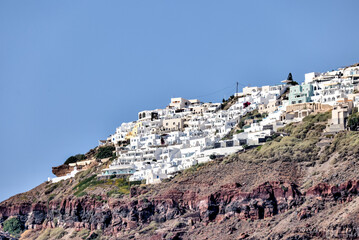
162,142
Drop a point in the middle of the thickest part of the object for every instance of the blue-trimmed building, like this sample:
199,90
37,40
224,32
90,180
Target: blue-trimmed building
118,170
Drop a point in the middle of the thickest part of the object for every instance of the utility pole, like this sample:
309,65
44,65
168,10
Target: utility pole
237,88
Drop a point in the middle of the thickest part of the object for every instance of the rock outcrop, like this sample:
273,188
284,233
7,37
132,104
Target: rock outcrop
62,170
343,192
265,201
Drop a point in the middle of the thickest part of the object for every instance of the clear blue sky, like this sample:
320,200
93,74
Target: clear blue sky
72,71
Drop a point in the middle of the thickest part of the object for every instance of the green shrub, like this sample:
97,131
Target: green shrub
13,226
194,168
50,188
81,186
251,115
299,146
76,158
355,110
113,157
122,187
353,122
239,131
346,144
105,152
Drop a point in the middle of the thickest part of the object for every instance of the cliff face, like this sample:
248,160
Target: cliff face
62,170
264,201
289,188
118,216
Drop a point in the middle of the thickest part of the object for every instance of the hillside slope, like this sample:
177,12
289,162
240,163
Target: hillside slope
301,186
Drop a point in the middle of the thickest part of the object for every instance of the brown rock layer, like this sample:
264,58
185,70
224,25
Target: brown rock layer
62,170
267,200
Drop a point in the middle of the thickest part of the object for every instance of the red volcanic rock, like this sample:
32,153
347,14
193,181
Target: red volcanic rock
136,191
266,200
14,210
304,213
343,192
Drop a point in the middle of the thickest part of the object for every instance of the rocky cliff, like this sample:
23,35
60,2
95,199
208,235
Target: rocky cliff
187,210
266,200
292,187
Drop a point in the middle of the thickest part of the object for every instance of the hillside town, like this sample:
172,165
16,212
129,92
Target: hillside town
162,142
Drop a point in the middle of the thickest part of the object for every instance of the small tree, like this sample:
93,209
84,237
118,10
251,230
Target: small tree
13,226
105,152
71,159
353,122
